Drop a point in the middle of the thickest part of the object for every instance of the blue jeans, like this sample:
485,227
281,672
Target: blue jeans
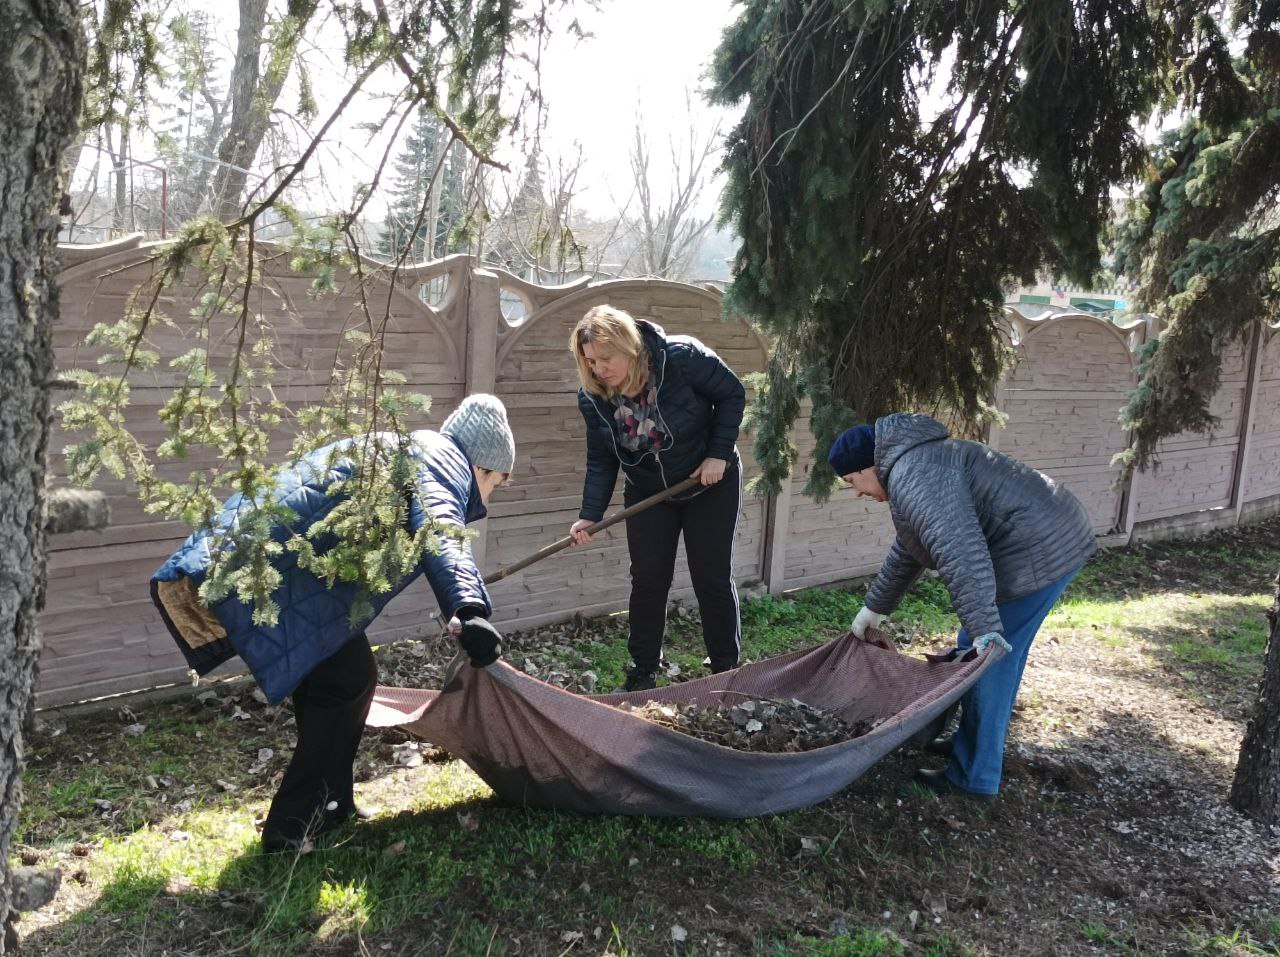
985,709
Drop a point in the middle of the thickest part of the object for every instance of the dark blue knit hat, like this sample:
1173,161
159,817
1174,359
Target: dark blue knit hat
854,450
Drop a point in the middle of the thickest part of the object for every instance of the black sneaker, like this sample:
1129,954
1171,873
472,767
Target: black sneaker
640,680
944,745
938,782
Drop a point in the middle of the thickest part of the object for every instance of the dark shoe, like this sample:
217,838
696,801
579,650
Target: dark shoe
940,784
937,728
640,680
273,842
944,745
276,841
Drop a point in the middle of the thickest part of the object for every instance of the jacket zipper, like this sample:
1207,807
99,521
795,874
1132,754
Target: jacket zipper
657,458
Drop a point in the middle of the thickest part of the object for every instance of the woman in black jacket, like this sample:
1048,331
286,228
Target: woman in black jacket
665,409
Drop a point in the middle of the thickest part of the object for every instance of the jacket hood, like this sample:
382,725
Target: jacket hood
901,432
654,336
432,442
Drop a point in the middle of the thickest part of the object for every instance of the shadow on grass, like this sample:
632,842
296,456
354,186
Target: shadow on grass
405,881
1204,648
479,877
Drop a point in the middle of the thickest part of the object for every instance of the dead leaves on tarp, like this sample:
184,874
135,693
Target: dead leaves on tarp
760,725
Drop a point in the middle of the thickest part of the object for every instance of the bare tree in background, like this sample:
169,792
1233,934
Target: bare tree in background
667,234
261,66
201,109
531,232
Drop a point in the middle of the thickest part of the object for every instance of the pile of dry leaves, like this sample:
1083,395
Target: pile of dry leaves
774,727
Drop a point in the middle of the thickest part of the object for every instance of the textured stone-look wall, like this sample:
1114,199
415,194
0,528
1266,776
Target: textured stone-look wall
1262,465
1062,399
102,634
1195,472
844,537
537,380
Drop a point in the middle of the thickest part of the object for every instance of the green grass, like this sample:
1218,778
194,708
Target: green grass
1095,932
1218,631
447,863
1240,943
865,943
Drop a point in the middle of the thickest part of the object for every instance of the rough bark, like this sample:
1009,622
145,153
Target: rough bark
1256,788
41,70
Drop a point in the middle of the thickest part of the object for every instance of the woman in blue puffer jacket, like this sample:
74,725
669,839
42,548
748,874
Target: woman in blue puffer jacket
1005,539
314,653
663,409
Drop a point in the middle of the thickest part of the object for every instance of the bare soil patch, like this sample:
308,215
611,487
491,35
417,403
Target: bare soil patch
1111,834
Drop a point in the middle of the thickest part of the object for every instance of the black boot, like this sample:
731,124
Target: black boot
943,745
940,784
639,679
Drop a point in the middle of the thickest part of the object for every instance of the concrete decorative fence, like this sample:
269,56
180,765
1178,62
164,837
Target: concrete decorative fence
449,336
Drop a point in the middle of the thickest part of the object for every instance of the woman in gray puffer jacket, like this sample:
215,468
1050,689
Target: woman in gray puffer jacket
1005,539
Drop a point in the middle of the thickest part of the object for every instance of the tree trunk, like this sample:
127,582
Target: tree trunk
1256,788
120,180
253,96
238,148
41,68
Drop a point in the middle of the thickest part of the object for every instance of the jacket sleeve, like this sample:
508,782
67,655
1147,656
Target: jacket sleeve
937,504
602,463
451,569
898,572
707,373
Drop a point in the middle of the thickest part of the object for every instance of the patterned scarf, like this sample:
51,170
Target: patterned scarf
637,419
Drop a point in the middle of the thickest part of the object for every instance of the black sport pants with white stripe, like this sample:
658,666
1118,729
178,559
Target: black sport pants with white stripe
707,519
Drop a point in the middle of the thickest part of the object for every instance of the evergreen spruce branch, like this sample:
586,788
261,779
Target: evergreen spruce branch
365,540
863,224
428,95
232,386
1231,289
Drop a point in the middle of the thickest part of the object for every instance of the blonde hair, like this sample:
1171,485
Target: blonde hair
616,330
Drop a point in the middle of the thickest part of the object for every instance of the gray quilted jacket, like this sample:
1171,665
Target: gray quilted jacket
994,528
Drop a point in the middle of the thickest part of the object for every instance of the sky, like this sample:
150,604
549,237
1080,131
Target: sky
643,57
647,56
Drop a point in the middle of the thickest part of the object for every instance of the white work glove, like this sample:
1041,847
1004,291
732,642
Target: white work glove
864,619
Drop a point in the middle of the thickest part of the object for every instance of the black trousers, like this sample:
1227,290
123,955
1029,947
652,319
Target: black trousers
707,520
330,707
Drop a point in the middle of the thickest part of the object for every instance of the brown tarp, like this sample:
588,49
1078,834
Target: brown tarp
541,746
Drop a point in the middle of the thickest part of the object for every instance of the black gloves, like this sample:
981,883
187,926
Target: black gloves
481,641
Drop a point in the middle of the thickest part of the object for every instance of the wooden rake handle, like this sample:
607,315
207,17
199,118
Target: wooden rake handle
599,526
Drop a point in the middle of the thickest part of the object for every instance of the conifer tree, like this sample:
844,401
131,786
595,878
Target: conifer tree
1204,236
880,225
427,229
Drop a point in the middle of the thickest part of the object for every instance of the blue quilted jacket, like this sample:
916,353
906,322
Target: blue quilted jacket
993,527
314,620
700,404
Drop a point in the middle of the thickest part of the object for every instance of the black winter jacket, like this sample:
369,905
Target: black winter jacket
700,404
993,527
